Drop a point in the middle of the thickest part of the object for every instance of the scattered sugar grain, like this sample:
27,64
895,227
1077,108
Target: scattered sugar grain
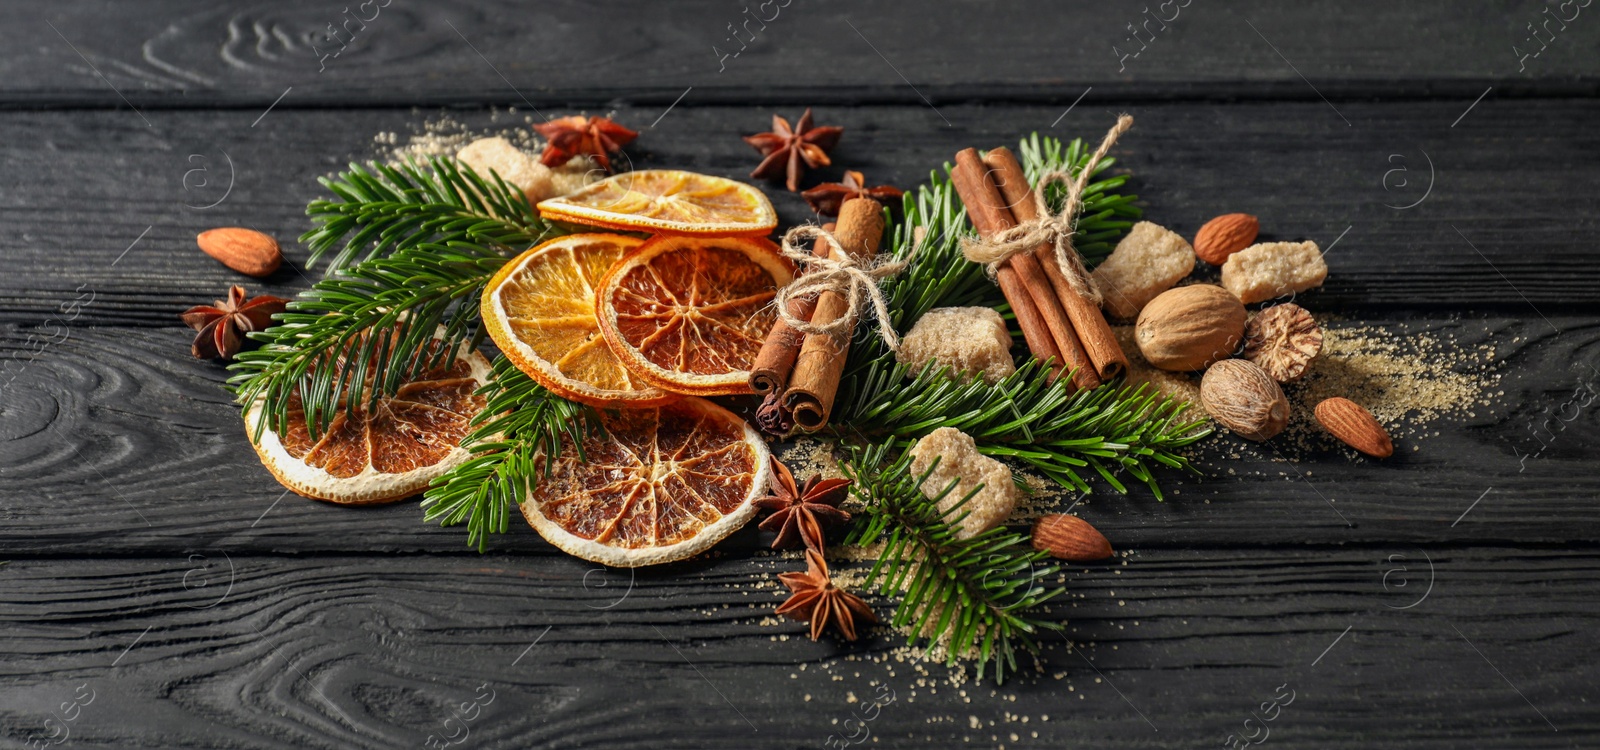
1407,379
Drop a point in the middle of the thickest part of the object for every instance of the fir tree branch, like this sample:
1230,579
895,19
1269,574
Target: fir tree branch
517,438
380,208
1112,429
360,334
971,595
429,238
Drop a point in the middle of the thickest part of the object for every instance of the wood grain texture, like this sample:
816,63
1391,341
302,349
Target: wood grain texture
101,204
207,649
182,53
117,442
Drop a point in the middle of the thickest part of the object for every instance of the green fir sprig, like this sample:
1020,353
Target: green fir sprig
381,208
357,336
428,237
518,436
1030,418
978,596
409,250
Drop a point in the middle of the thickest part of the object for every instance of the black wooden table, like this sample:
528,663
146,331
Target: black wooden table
163,592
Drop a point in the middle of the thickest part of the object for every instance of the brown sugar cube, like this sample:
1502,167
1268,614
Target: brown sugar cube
960,461
1272,269
971,341
1147,262
514,165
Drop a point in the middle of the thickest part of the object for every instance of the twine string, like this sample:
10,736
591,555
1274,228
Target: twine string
853,280
1052,229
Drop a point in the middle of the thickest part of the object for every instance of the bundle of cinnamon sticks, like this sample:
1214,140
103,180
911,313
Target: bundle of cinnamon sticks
1058,323
798,373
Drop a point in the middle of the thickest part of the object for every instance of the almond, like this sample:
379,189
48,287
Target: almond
244,250
1354,426
1070,538
1224,236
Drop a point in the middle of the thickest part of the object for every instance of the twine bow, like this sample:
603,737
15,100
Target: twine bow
1056,229
857,283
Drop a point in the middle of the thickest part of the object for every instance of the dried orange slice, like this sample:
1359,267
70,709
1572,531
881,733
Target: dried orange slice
539,309
689,314
657,485
383,454
667,201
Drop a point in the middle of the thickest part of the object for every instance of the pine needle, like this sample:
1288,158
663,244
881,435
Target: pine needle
977,596
359,335
379,208
1110,430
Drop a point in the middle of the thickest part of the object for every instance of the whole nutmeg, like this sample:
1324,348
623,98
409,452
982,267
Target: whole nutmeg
1283,340
1245,399
1225,235
1190,327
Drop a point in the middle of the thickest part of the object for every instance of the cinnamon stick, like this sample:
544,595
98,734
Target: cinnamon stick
989,214
775,362
1088,321
821,361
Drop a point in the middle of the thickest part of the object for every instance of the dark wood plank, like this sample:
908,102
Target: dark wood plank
215,650
185,53
116,442
109,207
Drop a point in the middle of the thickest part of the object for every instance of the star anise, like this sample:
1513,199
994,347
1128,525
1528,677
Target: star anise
799,513
786,149
222,325
826,198
818,601
571,136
